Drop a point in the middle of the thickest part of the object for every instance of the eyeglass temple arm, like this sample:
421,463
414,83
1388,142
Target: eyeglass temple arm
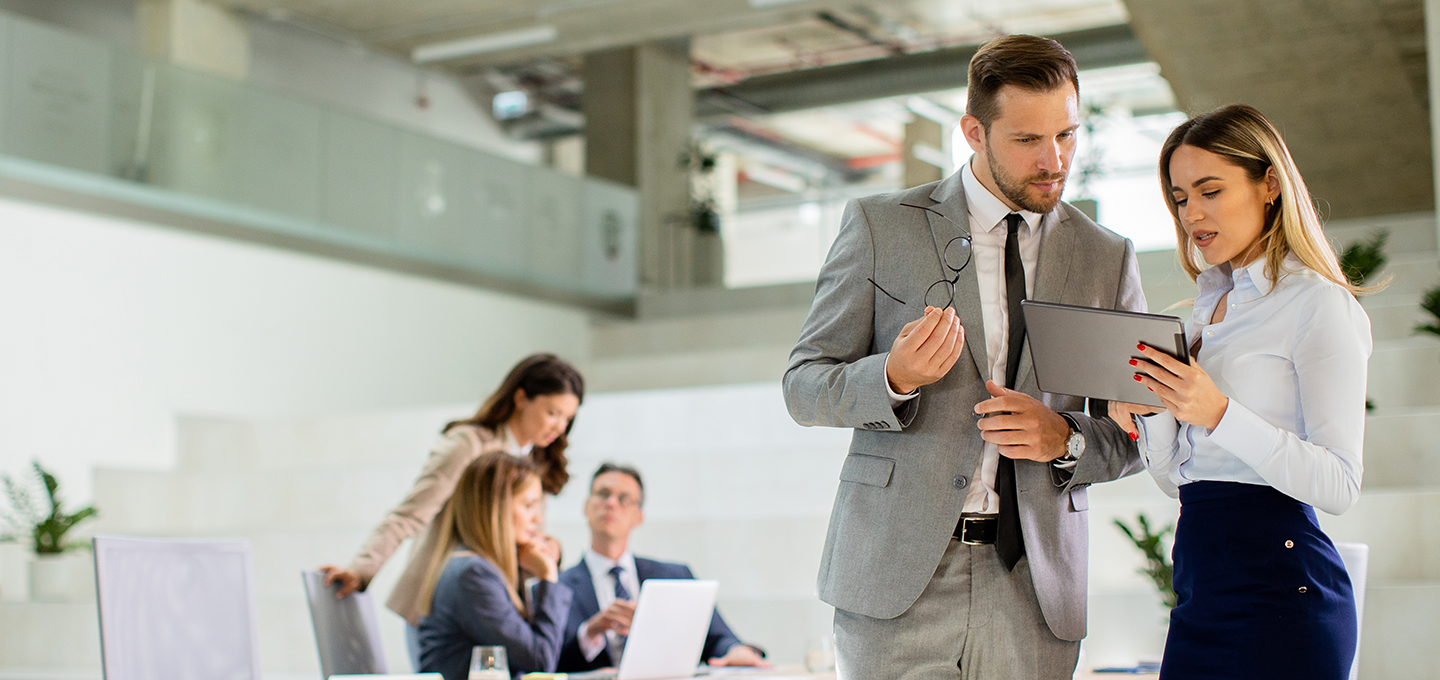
886,292
939,214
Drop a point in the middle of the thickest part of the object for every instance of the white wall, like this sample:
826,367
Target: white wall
109,329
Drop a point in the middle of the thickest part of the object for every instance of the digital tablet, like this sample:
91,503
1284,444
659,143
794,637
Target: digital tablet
1085,352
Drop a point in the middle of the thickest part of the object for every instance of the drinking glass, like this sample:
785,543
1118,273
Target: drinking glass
820,654
488,663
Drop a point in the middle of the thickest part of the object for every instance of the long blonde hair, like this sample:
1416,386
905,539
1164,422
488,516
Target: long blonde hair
478,517
1244,137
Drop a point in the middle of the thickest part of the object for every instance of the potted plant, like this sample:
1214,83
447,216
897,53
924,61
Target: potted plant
1157,563
1361,259
1431,304
44,522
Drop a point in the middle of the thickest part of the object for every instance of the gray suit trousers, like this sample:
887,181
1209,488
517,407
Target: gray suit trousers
974,621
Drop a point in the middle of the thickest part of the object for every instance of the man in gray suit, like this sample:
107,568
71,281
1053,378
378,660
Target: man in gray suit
958,542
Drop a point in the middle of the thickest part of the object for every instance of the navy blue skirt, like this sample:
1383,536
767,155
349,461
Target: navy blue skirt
1262,592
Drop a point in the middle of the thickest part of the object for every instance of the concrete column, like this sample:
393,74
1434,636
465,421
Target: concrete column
196,35
639,110
929,136
1432,59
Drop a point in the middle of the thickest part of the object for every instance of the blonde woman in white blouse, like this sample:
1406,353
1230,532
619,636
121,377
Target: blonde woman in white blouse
1267,420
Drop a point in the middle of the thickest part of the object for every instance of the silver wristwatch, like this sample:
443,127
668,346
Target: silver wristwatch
1075,445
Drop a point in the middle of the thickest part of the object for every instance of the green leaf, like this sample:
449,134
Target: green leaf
1362,258
1157,563
45,527
1430,302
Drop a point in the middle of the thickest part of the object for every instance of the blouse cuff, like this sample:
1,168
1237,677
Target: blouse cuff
1158,435
1245,434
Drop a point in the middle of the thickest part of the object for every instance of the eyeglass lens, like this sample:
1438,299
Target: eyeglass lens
957,253
623,499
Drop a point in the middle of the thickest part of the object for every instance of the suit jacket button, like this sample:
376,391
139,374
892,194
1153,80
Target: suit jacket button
960,482
1303,589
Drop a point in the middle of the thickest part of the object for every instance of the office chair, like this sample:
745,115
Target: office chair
1356,557
176,609
346,632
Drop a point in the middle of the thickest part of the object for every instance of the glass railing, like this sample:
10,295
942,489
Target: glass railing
97,119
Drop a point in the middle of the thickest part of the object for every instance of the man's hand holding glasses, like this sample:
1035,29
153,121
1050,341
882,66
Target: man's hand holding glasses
925,350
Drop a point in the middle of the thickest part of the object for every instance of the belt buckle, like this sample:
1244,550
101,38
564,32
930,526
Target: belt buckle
977,522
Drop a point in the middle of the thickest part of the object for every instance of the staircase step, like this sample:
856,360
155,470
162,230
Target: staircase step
209,502
1409,233
1400,628
1405,373
1402,449
1393,316
1399,525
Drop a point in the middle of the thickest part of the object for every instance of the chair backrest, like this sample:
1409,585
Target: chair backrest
1356,557
345,629
176,609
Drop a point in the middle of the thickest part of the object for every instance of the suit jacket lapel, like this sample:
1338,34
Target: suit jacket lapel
588,600
949,199
1057,252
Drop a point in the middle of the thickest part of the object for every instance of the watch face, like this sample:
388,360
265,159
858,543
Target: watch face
1076,444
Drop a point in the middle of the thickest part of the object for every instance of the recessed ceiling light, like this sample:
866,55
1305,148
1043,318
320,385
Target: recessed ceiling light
482,44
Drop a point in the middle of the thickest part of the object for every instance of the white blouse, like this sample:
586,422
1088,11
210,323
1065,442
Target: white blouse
1292,360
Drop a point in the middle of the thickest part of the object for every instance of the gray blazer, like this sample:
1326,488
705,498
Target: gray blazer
903,484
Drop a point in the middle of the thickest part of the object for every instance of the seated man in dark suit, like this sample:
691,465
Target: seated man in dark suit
607,581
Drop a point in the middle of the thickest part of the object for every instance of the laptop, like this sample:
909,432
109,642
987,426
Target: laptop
672,619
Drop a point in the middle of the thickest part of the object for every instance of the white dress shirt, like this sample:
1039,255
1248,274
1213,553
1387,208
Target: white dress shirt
600,566
1292,360
988,232
511,445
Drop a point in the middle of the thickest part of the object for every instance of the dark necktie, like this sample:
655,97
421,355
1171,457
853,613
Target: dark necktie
621,593
1008,540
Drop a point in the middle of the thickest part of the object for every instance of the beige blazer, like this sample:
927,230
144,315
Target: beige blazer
461,445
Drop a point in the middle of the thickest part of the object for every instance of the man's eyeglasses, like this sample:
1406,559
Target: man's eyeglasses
955,257
624,499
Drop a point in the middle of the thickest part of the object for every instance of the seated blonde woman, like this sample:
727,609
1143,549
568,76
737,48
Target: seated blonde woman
473,592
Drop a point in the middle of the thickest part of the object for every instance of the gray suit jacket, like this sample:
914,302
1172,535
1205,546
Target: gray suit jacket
904,482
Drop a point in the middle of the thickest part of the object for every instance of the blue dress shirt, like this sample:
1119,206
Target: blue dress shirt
1292,360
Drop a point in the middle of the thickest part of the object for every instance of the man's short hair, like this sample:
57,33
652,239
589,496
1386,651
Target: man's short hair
1025,61
608,467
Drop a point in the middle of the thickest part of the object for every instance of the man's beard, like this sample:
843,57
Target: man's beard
1018,190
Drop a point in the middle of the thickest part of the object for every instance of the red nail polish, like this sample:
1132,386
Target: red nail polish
1141,347
1137,378
1134,437
1134,362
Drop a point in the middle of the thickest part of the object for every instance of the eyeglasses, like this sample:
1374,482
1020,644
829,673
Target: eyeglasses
624,499
955,256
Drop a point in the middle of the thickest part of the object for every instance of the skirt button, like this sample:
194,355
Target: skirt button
1303,589
1289,544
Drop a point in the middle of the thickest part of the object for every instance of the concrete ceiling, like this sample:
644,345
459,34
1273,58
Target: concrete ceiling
1344,80
732,36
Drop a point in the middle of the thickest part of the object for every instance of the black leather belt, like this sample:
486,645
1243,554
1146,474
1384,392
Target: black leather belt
977,530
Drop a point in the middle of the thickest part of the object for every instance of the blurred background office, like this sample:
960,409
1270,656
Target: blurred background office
255,253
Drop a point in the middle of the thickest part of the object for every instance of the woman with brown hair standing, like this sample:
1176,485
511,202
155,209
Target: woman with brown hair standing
528,416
